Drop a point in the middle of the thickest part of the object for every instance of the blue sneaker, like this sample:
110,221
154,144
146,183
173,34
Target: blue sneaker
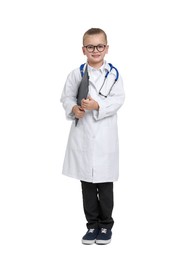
90,237
104,236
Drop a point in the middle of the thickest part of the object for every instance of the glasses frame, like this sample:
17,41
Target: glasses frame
95,46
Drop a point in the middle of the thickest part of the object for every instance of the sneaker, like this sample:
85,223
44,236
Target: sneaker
104,236
90,237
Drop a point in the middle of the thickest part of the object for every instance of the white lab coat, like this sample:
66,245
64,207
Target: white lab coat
92,152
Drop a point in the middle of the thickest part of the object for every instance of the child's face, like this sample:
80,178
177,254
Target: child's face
95,55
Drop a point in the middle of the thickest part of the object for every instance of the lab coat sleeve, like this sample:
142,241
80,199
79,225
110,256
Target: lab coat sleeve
68,97
110,105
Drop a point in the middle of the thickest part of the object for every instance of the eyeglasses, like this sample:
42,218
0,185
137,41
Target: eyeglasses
99,47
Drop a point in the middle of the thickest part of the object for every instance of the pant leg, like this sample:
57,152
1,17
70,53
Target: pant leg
106,204
90,203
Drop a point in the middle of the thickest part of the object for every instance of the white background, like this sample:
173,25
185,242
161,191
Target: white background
41,210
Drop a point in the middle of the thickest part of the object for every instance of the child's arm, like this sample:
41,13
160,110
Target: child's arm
69,94
110,105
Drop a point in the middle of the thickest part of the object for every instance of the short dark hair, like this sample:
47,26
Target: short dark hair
93,31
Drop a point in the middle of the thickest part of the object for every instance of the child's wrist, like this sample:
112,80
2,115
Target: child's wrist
96,105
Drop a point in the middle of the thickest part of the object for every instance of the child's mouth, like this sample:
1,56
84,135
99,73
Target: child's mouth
96,56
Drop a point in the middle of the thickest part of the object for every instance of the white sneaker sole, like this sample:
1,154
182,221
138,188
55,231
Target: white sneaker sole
88,242
103,242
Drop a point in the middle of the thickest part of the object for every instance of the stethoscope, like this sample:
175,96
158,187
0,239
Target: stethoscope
105,79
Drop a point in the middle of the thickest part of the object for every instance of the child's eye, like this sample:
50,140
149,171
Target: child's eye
100,47
90,47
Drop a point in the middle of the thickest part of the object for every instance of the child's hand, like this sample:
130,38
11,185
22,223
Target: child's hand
78,111
89,104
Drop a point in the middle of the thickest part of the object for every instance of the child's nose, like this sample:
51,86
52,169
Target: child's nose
95,49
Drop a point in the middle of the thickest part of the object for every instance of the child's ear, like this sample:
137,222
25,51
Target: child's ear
107,47
83,49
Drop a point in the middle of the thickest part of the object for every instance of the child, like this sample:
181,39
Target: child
92,154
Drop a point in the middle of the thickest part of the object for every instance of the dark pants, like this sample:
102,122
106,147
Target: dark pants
98,204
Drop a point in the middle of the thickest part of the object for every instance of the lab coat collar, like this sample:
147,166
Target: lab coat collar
102,69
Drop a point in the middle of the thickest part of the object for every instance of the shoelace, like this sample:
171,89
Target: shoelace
104,230
91,230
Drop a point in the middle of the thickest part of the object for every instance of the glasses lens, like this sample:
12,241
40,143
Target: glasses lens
90,48
100,47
